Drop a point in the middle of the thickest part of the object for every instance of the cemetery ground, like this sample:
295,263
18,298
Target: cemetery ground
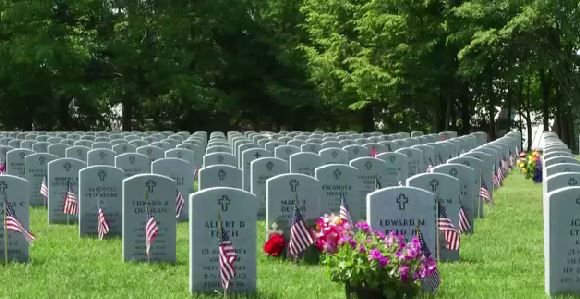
504,259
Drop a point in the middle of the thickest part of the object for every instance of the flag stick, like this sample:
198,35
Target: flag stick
5,236
437,237
147,211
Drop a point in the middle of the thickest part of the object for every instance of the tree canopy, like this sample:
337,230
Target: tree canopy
289,64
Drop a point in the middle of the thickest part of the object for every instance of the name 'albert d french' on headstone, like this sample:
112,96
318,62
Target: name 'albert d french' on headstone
234,211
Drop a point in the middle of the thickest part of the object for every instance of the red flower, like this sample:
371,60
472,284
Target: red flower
275,245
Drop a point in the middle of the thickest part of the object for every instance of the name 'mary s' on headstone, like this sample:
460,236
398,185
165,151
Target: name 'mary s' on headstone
14,191
235,211
284,193
153,194
62,173
562,241
100,186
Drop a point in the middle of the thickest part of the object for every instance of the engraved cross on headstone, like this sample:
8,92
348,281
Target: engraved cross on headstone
67,166
102,175
402,200
293,185
221,174
337,173
224,202
150,185
572,182
368,165
434,183
257,155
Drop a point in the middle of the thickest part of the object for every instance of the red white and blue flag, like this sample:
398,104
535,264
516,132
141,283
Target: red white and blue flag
432,281
344,212
12,223
227,258
300,237
464,223
450,233
179,203
71,205
151,231
102,225
44,189
485,194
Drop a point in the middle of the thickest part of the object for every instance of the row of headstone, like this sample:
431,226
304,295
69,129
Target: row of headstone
370,185
561,202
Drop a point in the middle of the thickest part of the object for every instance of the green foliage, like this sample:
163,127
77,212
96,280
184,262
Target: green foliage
295,64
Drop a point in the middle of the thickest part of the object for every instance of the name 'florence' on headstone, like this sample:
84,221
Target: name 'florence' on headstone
155,194
235,211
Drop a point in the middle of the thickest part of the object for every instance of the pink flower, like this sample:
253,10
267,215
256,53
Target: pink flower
404,272
378,256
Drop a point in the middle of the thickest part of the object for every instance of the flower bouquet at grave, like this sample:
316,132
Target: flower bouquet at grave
530,165
370,263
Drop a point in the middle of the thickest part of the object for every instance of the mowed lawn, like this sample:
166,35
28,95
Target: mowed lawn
504,259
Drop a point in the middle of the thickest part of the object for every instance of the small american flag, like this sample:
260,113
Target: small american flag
377,184
179,203
227,257
44,188
433,280
445,225
485,194
2,167
374,152
344,212
495,181
103,226
300,237
12,223
430,168
464,224
195,171
151,231
71,205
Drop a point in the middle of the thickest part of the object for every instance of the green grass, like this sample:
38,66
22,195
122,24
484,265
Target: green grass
503,259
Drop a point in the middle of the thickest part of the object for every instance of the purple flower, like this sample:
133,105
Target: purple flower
346,239
404,272
378,256
362,225
362,249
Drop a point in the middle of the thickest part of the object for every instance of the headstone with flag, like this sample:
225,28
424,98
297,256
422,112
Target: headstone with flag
300,236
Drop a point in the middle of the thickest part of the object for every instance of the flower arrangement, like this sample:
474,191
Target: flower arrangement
530,165
371,263
276,243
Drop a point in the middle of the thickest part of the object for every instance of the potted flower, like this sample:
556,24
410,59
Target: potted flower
372,264
531,165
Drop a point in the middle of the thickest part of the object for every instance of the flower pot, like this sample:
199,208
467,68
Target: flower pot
362,292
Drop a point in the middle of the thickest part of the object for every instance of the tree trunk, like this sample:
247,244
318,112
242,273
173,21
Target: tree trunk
465,110
368,121
529,117
546,86
127,115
